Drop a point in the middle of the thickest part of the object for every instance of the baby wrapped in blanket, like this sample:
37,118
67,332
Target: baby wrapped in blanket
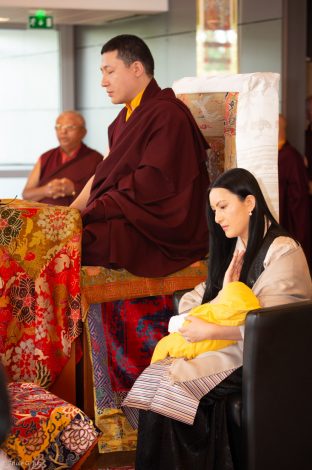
230,308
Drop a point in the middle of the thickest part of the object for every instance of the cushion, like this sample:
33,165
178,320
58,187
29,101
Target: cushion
47,432
238,116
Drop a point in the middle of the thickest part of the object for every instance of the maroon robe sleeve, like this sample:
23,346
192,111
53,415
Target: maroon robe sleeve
135,186
295,214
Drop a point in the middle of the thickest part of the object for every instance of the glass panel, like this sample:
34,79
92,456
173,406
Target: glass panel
216,37
11,187
29,94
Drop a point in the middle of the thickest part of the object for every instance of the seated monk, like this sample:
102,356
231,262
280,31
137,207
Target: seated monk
293,185
60,174
145,208
231,306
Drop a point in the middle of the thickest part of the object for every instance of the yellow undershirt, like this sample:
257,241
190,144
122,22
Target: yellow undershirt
281,143
134,104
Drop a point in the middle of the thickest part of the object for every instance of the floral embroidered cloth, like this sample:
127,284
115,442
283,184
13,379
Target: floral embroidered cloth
39,288
47,432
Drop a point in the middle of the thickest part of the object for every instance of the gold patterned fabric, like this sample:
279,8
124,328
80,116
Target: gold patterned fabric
40,304
47,432
215,114
255,112
117,433
100,285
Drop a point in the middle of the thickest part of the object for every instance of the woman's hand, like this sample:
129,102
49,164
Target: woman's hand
196,329
232,273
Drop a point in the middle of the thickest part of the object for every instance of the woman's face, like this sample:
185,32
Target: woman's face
231,213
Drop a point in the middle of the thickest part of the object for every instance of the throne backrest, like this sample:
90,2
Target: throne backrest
238,116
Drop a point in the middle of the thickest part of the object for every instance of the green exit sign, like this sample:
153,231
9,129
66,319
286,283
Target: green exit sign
40,22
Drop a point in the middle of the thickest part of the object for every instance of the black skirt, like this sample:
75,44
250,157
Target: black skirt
166,444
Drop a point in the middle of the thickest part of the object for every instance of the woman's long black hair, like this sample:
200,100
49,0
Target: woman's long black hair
242,183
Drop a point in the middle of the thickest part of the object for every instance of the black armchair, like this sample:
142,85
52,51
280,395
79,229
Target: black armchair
5,407
270,425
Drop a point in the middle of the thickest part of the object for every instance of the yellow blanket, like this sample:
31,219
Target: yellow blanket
234,301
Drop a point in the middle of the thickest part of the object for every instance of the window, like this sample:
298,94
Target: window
29,102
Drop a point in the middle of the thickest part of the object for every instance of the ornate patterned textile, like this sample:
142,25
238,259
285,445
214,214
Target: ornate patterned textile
243,107
47,432
122,337
40,289
106,285
101,285
215,114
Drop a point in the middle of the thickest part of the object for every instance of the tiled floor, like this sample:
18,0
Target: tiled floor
98,461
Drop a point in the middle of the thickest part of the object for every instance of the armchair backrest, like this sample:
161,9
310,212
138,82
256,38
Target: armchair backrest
5,407
277,388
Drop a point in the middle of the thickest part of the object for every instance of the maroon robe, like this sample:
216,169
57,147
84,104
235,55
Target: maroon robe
294,205
308,153
308,149
79,169
147,207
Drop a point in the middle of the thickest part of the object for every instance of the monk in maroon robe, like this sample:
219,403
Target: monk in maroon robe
145,209
308,137
294,207
61,173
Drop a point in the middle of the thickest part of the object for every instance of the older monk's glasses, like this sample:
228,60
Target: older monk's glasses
61,127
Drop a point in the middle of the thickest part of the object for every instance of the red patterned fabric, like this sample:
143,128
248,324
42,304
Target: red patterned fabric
132,329
47,432
40,289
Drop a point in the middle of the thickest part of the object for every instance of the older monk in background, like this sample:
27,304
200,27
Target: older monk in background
294,205
61,173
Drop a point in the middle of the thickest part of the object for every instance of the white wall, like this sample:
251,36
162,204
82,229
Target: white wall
29,94
260,36
29,101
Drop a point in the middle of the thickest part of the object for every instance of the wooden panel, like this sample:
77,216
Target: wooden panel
65,384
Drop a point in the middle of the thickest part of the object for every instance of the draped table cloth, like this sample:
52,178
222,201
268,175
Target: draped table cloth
40,302
125,315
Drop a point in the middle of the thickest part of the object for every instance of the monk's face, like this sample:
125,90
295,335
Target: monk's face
70,131
120,80
232,213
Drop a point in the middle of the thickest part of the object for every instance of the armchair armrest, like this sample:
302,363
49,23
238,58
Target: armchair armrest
176,297
277,387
